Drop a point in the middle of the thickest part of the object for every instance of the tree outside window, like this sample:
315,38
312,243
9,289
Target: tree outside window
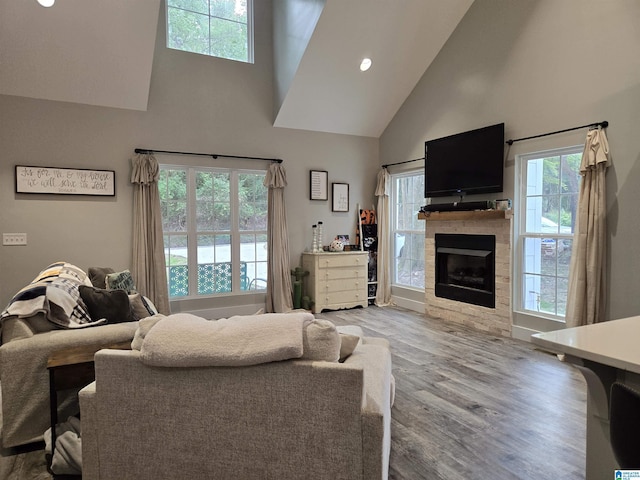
220,28
215,230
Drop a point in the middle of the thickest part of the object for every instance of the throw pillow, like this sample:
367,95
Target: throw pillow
98,276
141,306
121,281
113,305
348,344
321,341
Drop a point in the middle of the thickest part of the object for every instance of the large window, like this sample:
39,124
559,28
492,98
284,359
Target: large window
548,211
407,197
220,28
215,230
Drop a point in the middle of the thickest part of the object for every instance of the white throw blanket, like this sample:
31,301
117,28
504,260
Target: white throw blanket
184,340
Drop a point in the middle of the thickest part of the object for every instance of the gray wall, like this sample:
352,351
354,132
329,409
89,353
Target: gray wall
196,103
542,66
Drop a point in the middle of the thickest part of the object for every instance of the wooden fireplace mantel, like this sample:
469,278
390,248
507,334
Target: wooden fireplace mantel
466,215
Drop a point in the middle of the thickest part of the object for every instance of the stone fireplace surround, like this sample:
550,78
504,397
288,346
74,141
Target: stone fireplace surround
496,320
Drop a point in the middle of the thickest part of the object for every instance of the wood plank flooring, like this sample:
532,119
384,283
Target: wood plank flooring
474,406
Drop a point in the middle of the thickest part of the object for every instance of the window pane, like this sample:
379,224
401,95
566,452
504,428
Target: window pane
199,6
235,10
551,176
568,213
550,195
253,202
188,31
228,40
253,259
570,173
532,253
548,295
564,256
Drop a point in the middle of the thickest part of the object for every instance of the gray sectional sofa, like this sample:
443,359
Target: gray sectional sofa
290,419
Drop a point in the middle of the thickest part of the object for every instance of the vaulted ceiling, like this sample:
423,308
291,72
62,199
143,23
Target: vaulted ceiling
100,52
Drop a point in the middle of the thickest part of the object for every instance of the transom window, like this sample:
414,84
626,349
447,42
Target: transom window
215,230
548,208
407,196
219,28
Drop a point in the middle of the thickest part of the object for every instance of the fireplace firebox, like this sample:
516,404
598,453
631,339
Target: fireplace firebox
465,268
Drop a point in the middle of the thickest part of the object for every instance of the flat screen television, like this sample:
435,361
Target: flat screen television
467,163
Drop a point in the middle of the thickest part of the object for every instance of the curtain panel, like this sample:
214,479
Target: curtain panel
149,268
383,292
586,299
278,271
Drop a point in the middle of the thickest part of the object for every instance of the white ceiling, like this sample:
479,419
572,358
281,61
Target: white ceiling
100,52
329,92
96,52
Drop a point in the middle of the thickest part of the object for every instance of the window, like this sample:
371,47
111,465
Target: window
407,197
220,28
215,230
548,211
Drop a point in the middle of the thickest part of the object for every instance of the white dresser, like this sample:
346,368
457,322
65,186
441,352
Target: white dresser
336,279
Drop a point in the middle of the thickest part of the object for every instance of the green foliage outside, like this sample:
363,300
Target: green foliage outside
209,27
561,183
213,190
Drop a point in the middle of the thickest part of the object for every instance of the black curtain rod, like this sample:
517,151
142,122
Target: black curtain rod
212,155
400,163
604,124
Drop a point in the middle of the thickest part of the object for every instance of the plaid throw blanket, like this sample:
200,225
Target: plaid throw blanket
55,293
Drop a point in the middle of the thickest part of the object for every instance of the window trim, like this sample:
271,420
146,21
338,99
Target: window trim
393,219
250,32
235,233
522,315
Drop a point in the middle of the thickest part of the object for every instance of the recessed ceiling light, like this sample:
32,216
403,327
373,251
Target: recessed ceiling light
365,64
46,3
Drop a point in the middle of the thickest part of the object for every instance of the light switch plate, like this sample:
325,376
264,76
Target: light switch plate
14,239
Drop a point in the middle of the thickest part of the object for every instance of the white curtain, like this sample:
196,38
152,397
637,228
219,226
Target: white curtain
586,294
278,271
383,292
148,269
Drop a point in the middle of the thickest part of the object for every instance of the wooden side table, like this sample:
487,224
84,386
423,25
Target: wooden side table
72,368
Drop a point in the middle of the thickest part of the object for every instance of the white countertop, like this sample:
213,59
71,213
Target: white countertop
615,343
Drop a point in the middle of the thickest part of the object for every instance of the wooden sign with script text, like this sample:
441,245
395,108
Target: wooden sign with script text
65,181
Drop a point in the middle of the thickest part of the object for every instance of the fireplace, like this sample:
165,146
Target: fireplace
465,268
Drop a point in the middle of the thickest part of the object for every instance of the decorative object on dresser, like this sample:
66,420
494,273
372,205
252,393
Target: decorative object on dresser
336,279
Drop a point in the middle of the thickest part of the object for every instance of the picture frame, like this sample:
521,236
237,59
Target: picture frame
318,185
340,197
65,181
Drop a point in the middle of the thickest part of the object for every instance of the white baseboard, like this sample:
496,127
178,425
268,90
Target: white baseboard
408,304
522,333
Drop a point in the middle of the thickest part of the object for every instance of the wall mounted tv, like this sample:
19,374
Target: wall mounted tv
467,163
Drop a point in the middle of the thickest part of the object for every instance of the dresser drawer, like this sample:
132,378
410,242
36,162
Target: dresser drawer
344,285
331,274
338,260
338,298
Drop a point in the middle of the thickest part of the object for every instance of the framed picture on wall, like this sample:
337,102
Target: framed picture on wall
318,185
340,197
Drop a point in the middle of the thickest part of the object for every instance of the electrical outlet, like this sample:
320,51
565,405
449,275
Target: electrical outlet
14,239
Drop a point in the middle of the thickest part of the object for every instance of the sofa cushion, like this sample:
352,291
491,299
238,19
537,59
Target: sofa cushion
321,341
113,305
348,344
120,281
98,276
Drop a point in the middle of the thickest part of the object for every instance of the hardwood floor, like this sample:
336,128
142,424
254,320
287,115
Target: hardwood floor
473,406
